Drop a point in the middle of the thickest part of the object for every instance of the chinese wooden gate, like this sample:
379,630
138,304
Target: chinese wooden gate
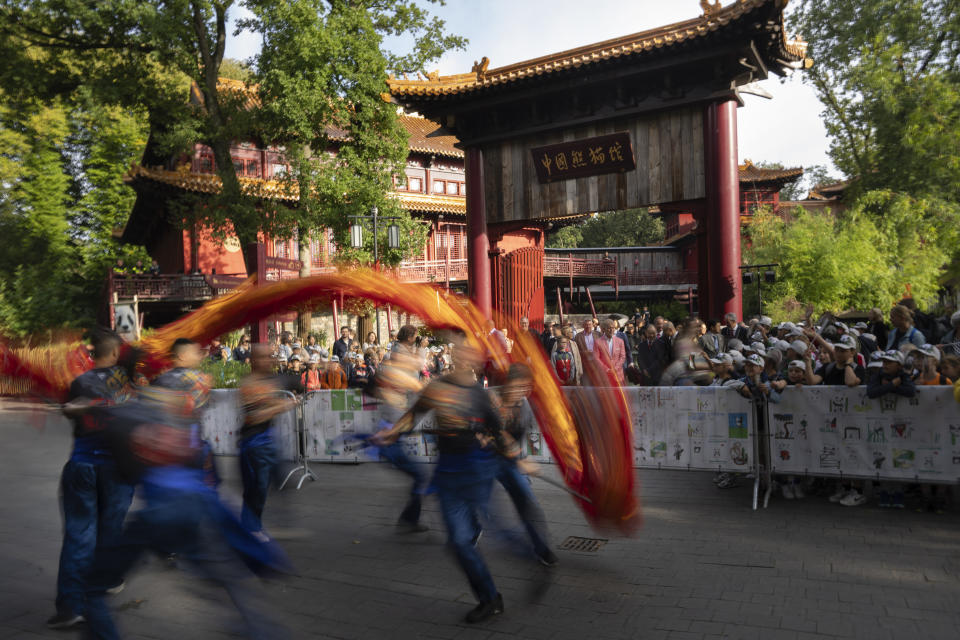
518,285
646,119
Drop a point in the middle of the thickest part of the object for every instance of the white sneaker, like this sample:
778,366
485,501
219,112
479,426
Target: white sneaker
787,490
853,499
798,492
839,495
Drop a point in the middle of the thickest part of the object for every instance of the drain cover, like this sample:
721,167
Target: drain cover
583,545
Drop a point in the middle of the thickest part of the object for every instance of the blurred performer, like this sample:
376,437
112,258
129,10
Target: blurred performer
154,442
392,386
186,356
95,499
261,401
469,435
517,420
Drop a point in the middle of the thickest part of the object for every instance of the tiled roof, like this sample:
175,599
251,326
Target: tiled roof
209,183
426,136
751,173
480,76
430,203
832,191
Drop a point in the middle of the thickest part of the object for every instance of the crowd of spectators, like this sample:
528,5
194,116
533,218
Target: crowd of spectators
760,359
656,352
350,364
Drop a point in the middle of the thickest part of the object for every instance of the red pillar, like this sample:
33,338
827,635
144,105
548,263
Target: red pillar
478,244
723,205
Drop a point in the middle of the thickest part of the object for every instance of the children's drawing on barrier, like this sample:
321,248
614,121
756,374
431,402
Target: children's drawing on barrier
738,454
783,426
535,444
411,444
879,457
839,404
658,449
900,431
876,431
738,425
903,458
852,433
678,451
928,461
829,458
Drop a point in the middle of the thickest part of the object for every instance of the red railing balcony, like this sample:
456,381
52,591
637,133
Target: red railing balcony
419,270
560,267
675,229
171,287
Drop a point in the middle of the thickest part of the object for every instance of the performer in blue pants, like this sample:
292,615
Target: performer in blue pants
518,419
94,498
261,400
469,439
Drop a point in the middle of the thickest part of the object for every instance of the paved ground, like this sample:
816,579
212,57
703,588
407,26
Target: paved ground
703,566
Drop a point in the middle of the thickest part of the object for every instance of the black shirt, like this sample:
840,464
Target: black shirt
833,374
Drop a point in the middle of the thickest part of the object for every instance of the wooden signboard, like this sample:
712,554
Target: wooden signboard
663,161
581,158
284,264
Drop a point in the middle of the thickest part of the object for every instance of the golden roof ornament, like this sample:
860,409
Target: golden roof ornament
480,68
710,8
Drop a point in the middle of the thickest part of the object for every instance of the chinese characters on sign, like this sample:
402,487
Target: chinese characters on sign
588,157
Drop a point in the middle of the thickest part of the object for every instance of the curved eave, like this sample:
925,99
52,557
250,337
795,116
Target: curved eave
659,40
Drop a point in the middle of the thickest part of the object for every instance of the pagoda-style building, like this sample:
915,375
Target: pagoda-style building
647,119
503,155
195,266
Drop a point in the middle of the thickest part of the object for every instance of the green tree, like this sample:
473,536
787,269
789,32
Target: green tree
628,228
322,68
888,73
61,198
848,261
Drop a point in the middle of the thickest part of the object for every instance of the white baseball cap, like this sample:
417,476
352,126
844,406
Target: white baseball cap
892,356
722,358
846,342
930,350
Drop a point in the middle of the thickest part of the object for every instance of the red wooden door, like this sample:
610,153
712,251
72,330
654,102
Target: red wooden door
518,285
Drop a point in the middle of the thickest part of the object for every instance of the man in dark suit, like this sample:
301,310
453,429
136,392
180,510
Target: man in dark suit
652,356
733,329
342,346
712,342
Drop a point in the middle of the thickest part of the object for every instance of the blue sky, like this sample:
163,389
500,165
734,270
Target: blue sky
787,129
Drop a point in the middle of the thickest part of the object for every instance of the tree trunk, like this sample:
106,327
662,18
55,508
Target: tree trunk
304,316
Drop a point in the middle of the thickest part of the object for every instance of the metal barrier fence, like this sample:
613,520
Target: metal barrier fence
813,431
221,421
839,432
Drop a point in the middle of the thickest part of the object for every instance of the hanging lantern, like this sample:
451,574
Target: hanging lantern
356,236
393,236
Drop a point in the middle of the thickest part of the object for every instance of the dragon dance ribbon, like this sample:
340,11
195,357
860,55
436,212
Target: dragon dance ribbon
588,432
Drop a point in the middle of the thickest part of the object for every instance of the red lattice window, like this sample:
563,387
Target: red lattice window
453,236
